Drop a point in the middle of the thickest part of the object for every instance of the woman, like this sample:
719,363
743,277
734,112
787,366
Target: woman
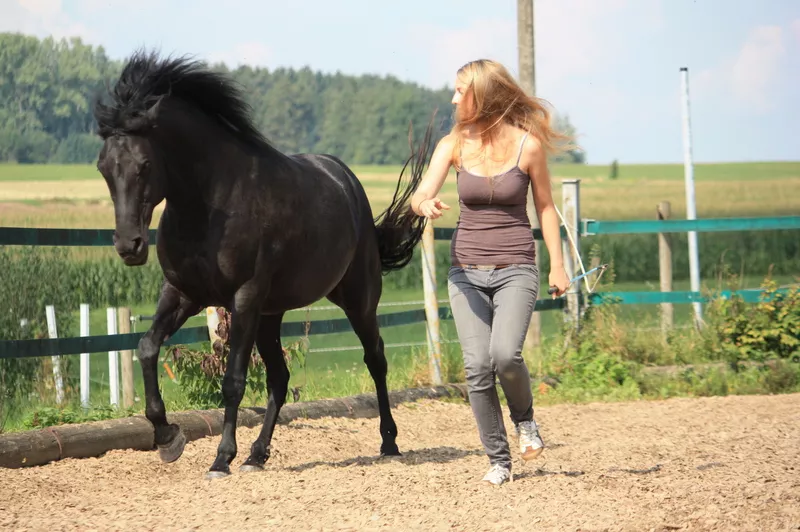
498,146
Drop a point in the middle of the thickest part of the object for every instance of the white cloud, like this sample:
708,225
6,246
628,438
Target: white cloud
92,6
447,50
41,18
251,53
751,77
795,30
572,37
758,65
44,8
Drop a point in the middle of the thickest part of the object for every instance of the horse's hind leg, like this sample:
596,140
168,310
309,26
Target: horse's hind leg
358,297
268,341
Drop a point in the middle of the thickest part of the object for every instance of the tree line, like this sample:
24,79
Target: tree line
48,86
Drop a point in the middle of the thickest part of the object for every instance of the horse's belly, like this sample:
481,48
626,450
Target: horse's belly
299,284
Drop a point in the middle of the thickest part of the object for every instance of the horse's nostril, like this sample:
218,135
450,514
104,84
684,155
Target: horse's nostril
138,245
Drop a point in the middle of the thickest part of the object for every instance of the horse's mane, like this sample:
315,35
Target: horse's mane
146,78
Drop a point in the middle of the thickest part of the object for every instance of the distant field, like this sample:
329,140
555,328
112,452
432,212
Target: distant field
702,171
76,195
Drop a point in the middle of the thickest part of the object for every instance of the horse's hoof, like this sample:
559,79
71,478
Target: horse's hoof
391,451
172,451
214,475
251,468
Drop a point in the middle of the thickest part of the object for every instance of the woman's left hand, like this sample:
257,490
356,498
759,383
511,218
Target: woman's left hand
559,280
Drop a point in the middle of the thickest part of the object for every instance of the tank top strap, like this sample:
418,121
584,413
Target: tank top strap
521,144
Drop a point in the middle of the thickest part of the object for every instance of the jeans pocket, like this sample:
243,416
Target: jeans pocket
533,268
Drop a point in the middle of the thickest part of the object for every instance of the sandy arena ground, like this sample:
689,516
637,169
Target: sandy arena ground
727,463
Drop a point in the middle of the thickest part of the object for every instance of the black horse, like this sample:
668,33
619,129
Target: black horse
245,227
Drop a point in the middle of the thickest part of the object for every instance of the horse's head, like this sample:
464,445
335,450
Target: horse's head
135,178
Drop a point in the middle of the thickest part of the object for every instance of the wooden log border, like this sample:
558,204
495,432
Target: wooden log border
93,439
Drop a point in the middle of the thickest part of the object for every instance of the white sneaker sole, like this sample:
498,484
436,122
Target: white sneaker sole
531,454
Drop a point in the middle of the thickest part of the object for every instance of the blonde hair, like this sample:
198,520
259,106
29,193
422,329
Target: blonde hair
497,98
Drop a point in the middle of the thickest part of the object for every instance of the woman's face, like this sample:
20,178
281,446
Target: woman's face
462,99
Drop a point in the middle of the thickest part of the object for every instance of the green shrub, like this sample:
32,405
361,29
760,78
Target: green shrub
767,330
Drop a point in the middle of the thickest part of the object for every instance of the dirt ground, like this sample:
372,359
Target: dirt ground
727,463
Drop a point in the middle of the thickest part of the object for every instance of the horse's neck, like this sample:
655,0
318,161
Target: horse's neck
208,167
205,172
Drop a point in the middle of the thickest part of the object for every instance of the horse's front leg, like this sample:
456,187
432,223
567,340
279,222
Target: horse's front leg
244,324
172,311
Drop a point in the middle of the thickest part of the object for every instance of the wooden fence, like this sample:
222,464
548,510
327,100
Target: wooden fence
574,227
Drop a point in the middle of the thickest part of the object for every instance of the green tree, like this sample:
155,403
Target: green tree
47,88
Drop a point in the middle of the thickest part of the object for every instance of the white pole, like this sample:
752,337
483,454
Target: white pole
52,332
212,322
431,304
691,209
85,358
570,192
113,358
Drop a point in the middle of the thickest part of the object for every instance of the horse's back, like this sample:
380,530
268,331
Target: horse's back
329,167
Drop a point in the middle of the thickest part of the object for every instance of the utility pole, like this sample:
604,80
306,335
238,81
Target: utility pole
527,80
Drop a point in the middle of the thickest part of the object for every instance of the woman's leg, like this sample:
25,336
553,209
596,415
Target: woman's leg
514,292
471,306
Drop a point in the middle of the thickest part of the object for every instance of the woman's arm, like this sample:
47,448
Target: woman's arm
546,211
424,201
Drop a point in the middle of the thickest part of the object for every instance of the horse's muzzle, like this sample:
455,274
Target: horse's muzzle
133,251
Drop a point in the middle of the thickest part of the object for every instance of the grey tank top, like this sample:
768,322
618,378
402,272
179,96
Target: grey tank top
493,226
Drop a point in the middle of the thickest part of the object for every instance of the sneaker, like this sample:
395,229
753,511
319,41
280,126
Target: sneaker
530,443
498,475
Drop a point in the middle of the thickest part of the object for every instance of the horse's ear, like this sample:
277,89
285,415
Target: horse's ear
152,114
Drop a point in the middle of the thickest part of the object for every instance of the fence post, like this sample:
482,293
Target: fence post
572,216
52,332
431,303
665,268
212,322
533,336
127,358
113,358
85,358
691,209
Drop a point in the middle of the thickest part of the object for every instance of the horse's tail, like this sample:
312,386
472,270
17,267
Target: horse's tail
399,228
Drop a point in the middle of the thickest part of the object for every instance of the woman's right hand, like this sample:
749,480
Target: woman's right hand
432,208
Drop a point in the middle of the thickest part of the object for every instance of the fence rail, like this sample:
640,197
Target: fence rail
703,225
189,335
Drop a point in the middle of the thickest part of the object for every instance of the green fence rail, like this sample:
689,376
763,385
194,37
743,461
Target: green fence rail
189,335
27,236
707,225
21,236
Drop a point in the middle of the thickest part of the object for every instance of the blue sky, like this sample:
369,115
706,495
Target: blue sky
612,65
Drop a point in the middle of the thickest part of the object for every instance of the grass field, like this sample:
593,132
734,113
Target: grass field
75,196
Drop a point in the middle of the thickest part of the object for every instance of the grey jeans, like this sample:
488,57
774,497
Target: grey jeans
492,310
